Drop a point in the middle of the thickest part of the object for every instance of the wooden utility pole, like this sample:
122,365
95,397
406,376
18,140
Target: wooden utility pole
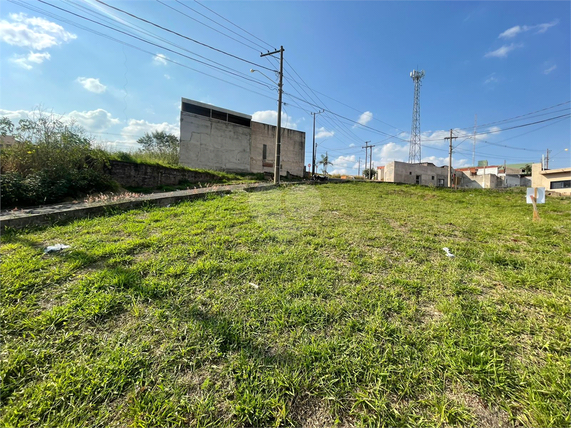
277,158
366,147
450,158
371,163
314,146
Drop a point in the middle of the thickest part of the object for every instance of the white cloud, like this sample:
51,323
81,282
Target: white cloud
364,119
92,84
343,161
503,51
160,59
323,133
351,145
443,161
137,128
271,118
94,120
339,171
33,57
510,33
167,77
491,79
35,33
390,152
550,69
493,129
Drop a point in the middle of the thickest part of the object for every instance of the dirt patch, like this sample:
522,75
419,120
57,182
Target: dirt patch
485,416
309,412
430,313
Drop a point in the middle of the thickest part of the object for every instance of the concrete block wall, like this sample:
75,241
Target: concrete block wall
402,172
292,151
214,144
129,174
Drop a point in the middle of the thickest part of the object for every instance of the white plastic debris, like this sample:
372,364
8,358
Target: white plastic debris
254,285
448,253
57,247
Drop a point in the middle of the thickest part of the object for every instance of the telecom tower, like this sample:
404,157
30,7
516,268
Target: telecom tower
414,151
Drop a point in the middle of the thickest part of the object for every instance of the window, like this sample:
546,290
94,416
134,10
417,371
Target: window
219,115
564,184
238,120
433,177
410,173
191,108
440,182
264,152
418,179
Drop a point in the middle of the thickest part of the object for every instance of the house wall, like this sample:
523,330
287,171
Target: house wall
487,181
292,150
543,178
213,144
402,172
381,174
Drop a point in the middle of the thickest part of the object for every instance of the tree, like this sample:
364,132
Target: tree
369,173
324,162
160,145
527,169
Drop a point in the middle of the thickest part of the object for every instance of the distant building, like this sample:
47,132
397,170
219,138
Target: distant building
219,139
424,173
554,180
7,141
486,176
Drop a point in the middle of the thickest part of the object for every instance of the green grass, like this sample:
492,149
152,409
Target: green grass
355,315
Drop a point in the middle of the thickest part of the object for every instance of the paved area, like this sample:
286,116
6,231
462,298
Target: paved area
50,214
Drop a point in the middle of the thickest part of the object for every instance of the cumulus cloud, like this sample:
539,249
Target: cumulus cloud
503,51
160,59
33,32
364,119
550,69
92,84
137,128
323,133
94,120
270,117
351,145
510,33
343,161
33,57
443,161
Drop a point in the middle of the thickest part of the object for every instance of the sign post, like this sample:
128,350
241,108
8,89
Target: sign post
535,195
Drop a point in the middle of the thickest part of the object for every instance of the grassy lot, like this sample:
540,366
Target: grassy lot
307,305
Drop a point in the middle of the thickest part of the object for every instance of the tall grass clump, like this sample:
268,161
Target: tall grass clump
50,161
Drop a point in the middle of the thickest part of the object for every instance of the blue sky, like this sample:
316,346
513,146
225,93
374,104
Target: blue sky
499,60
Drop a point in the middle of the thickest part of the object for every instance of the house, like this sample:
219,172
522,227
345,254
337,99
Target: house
491,176
424,173
219,139
554,180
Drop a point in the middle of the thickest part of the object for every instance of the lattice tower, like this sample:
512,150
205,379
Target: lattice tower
414,155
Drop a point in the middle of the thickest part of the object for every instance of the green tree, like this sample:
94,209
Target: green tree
369,173
527,169
160,146
324,162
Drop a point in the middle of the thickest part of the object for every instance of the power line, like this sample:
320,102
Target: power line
180,35
206,25
223,26
160,46
131,46
237,26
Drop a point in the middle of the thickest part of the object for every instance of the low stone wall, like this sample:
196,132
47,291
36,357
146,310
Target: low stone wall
130,174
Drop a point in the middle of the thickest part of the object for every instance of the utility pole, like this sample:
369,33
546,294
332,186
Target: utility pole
314,146
359,170
450,158
366,147
277,158
474,148
371,163
547,158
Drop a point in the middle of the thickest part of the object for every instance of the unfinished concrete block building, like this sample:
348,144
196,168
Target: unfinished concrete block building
425,173
219,139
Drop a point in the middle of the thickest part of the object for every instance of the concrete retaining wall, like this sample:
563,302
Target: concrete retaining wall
129,174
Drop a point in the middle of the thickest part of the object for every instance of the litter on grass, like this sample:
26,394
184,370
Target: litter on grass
57,247
254,285
448,253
